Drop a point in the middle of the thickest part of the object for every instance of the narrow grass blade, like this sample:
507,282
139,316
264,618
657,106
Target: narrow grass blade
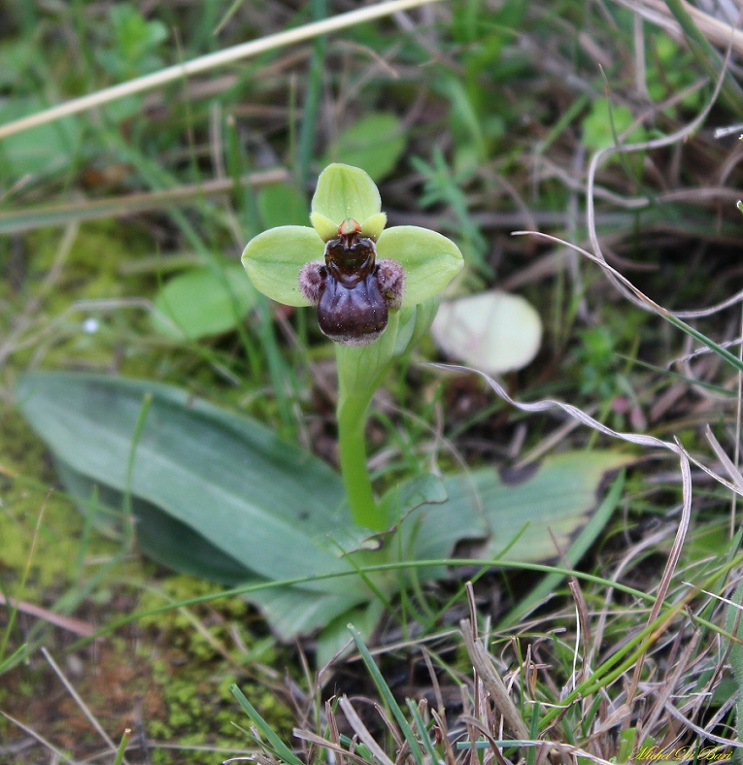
389,699
14,658
580,546
279,748
422,731
707,56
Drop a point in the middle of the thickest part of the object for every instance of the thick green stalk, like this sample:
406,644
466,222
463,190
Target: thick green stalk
360,371
352,416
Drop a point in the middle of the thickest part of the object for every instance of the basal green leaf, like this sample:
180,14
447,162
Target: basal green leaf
281,205
346,192
579,545
430,260
159,535
292,611
261,501
529,516
537,512
203,302
404,506
274,258
334,637
375,141
407,495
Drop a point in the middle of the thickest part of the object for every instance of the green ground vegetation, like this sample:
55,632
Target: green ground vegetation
476,118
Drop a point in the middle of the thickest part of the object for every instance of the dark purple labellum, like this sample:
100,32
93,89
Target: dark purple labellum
353,293
354,315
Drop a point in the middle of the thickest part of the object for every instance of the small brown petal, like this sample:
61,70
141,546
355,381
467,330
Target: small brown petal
391,281
312,278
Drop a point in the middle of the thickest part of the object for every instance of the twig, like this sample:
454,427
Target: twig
493,683
69,623
208,62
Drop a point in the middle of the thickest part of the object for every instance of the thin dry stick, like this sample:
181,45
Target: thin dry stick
633,438
440,720
319,741
33,217
648,542
583,632
486,732
362,731
69,623
644,302
493,683
574,411
738,425
730,467
60,755
210,61
628,290
76,698
668,688
716,31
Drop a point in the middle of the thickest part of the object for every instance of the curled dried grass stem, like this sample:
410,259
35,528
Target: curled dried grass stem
633,438
622,284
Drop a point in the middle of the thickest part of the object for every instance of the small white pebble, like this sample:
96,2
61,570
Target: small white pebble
75,665
90,325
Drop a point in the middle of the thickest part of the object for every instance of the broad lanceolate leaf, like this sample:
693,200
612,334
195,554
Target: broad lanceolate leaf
292,611
203,302
281,205
430,260
406,496
375,141
273,260
263,502
220,496
160,536
529,516
346,192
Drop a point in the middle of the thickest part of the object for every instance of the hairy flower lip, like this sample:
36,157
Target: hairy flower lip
353,292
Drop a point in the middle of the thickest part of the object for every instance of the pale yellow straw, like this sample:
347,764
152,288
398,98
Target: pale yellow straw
210,61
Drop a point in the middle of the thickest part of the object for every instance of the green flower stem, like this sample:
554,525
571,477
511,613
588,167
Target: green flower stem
360,372
352,417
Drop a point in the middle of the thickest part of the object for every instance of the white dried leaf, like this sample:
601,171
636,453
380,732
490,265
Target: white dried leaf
493,331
